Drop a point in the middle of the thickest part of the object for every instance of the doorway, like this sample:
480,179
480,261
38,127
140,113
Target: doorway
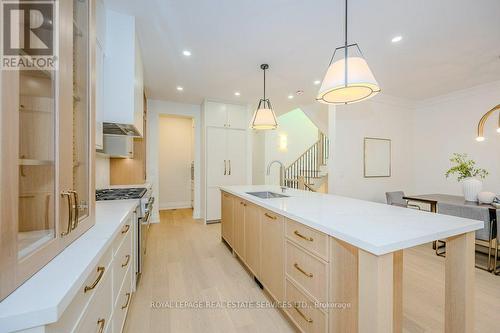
176,154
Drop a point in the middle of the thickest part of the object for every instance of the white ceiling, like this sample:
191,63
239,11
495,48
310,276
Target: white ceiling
447,45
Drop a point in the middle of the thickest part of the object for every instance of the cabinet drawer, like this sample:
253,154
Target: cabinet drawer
122,261
122,305
308,271
98,312
74,311
126,230
306,316
310,239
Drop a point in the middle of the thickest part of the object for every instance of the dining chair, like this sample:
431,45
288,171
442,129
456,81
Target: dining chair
474,213
396,199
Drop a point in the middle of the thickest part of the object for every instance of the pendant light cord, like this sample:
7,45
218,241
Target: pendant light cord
345,47
264,84
345,24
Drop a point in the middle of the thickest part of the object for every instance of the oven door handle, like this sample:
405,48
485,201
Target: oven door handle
150,203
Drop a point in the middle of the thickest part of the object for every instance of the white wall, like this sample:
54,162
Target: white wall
258,157
155,109
446,125
381,117
299,132
175,156
102,177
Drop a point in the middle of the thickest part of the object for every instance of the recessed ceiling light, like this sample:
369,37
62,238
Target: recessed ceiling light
396,39
299,92
237,93
179,88
317,82
187,53
290,96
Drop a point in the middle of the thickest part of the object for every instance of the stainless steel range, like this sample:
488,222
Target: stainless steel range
143,214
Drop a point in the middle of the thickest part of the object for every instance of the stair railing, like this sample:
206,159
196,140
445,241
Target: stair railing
308,164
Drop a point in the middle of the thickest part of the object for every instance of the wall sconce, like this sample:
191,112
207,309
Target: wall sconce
482,121
283,142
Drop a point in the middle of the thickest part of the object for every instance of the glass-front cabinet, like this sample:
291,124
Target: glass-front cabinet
47,183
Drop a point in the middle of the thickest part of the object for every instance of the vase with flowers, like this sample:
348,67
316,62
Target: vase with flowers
467,174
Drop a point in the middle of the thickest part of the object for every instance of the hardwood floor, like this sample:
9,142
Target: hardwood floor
186,261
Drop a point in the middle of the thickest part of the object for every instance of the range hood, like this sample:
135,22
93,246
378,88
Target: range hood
120,129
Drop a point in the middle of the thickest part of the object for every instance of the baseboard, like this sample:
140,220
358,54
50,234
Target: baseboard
175,205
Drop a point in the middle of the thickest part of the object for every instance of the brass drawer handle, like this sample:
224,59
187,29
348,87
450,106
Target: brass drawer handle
125,228
309,320
270,216
100,270
302,271
128,301
126,261
70,213
101,322
310,239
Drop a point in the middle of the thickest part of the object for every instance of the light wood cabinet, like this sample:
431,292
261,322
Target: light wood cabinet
227,222
47,148
252,237
272,254
239,227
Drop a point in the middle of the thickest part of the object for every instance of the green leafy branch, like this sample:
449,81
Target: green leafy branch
464,168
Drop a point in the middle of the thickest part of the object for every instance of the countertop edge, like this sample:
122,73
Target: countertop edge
378,251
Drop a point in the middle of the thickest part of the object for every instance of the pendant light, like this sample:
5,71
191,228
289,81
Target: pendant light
348,78
264,117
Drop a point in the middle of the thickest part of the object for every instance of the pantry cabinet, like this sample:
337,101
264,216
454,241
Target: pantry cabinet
47,142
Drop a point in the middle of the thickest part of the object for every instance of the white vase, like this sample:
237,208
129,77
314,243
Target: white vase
471,187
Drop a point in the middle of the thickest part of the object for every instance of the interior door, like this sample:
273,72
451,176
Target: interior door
236,157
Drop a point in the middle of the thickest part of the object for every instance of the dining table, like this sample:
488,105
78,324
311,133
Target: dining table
433,199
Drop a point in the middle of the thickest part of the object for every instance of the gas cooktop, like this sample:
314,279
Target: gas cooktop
120,193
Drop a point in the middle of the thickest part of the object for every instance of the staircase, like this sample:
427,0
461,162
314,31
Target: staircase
308,172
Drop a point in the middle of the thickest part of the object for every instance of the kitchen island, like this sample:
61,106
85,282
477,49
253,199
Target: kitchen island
335,264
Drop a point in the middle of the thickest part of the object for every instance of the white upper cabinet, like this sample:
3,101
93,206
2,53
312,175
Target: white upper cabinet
226,115
123,74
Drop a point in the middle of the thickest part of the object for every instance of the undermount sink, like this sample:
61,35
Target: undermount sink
267,195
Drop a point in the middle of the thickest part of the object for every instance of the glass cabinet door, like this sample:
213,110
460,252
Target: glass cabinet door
81,109
37,146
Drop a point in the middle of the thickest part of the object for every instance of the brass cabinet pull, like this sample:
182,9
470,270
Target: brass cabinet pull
302,271
101,323
70,213
270,216
126,260
125,228
76,214
100,270
128,301
310,239
225,168
229,167
309,320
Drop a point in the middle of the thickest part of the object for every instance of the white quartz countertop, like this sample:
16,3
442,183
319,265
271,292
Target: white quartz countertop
374,227
43,298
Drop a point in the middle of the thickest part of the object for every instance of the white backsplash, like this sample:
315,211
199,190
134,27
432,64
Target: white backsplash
101,171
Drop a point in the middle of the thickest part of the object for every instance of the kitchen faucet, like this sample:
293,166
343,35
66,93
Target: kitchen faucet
282,173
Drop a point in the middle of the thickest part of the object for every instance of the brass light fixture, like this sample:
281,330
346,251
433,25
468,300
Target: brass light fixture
264,117
348,78
482,121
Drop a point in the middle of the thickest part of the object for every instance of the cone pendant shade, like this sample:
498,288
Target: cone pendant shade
264,117
345,86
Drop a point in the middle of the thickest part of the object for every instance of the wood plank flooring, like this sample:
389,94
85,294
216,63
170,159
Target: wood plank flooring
186,261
